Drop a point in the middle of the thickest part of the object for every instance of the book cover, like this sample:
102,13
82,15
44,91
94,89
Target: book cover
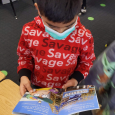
51,101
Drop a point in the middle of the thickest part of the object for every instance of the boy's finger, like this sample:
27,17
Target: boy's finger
29,88
68,84
22,90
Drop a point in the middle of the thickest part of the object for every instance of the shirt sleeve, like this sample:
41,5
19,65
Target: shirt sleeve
86,57
25,60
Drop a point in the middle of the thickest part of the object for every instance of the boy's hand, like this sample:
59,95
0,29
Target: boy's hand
71,82
25,85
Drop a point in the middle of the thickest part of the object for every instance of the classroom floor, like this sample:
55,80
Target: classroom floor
102,28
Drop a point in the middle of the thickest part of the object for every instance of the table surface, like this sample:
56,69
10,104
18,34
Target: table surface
9,96
2,76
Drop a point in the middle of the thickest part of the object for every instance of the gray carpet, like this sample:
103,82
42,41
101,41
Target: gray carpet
10,31
102,29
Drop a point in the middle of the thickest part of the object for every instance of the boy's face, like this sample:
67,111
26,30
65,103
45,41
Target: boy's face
59,27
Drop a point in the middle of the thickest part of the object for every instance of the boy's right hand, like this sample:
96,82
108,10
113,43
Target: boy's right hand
25,85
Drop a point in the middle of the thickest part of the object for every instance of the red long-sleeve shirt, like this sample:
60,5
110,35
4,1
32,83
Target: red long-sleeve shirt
51,62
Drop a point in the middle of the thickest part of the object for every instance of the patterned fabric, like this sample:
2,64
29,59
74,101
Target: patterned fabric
52,61
102,74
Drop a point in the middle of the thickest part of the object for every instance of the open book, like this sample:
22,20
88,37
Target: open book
51,101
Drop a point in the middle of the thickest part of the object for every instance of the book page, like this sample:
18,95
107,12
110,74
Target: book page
78,99
42,102
51,101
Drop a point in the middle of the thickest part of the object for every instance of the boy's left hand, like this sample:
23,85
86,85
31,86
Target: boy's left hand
71,82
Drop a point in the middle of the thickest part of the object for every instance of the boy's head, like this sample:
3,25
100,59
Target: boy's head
59,15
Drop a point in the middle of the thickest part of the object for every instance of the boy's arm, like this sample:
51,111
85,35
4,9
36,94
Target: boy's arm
25,60
86,57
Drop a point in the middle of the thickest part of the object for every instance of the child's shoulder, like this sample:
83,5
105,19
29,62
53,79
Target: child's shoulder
81,28
83,33
29,24
33,25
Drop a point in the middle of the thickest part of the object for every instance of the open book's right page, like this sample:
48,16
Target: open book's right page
78,99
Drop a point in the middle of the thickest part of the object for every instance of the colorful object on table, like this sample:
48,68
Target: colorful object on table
90,18
103,5
3,74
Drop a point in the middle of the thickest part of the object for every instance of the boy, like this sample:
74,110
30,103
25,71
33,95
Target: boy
55,50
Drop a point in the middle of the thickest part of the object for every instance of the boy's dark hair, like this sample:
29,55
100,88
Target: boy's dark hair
59,10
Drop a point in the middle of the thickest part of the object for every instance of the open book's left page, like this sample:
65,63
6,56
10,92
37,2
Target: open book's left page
43,101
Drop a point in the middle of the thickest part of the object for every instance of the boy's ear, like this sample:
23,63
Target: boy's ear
36,6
